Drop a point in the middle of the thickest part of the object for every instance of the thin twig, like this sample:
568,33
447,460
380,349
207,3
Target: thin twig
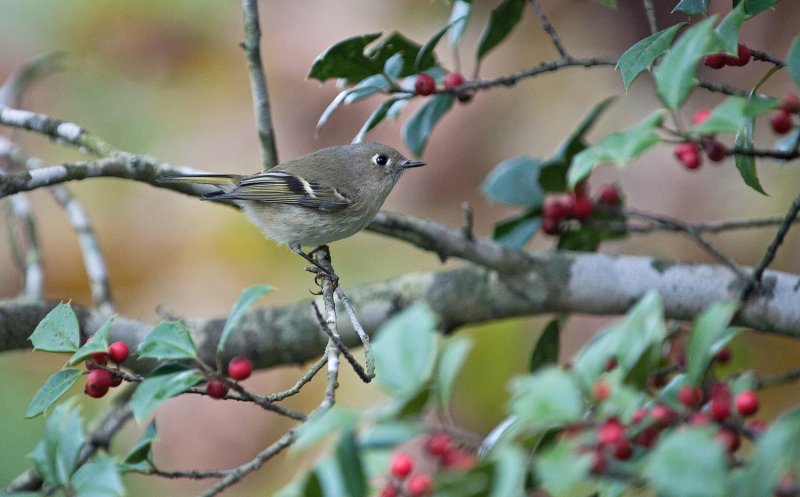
342,348
650,12
549,29
31,261
772,249
778,379
295,389
258,83
368,356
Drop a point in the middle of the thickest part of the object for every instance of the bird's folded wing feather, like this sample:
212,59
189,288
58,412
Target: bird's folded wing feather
285,188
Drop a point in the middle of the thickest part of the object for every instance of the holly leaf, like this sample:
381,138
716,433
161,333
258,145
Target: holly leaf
518,230
58,331
502,21
728,29
248,297
515,181
692,7
168,340
163,383
689,461
346,59
418,128
793,60
99,343
640,57
54,387
746,164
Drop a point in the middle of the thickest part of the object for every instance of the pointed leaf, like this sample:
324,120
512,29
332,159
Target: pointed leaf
418,128
451,359
746,164
689,461
377,116
56,455
328,112
515,181
793,60
755,7
163,384
546,399
547,346
676,73
502,21
168,340
515,232
425,56
348,457
246,299
143,449
730,115
346,59
709,334
54,387
728,29
459,17
395,43
58,331
692,7
640,57
98,478
99,343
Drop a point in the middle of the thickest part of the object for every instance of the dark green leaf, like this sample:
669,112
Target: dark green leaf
793,60
98,478
709,334
377,116
417,129
248,297
689,461
545,353
617,148
99,343
55,386
143,450
546,399
730,115
55,457
396,43
692,7
728,29
746,164
640,57
58,331
348,456
405,350
425,57
755,7
518,230
347,60
676,73
163,384
515,181
323,424
458,18
502,21
168,340
451,359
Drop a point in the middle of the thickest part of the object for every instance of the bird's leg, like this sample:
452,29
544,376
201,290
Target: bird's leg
321,270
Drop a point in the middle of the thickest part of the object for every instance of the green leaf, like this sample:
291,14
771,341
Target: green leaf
346,59
458,18
509,464
389,434
502,21
689,461
58,331
546,399
515,232
640,57
617,148
676,73
709,334
728,29
776,454
164,383
418,128
348,457
793,60
563,470
168,340
692,7
54,387
396,43
248,297
425,57
99,343
755,7
405,351
55,457
143,449
377,116
393,67
547,346
515,181
730,115
98,478
322,425
746,164
449,364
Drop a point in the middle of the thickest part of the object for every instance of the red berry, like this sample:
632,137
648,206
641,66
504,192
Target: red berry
729,439
662,415
439,444
716,61
611,364
553,208
608,194
216,389
100,358
118,352
690,396
610,432
240,368
623,450
688,154
791,103
583,208
458,459
424,84
453,79
116,381
723,356
401,466
419,485
715,151
701,116
599,462
743,56
747,403
97,383
699,418
719,408
757,426
601,389
638,415
648,437
781,122
550,225
390,490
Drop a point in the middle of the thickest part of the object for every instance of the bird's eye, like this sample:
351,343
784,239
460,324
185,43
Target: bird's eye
380,160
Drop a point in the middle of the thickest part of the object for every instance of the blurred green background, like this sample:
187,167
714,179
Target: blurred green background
168,79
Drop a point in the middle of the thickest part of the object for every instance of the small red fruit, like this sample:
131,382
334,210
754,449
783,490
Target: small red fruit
439,444
116,381
118,352
690,396
240,368
638,415
216,389
583,208
699,418
424,84
97,383
390,490
747,403
701,116
401,466
608,194
453,79
623,450
420,485
610,432
757,426
553,208
791,103
723,356
648,437
550,225
688,154
729,439
601,389
719,408
662,415
743,56
715,151
611,363
781,122
716,61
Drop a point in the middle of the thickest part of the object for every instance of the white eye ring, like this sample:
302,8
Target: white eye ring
380,160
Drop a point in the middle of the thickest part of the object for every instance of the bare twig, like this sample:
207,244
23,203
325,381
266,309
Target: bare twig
650,12
26,250
368,356
549,29
295,389
339,345
778,379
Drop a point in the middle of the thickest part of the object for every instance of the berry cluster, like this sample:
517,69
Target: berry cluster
781,121
720,60
424,85
99,380
239,368
689,153
441,452
577,205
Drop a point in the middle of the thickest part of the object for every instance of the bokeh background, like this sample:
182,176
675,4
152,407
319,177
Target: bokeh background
168,79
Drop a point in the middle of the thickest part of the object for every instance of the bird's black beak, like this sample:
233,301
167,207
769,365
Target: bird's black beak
408,164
